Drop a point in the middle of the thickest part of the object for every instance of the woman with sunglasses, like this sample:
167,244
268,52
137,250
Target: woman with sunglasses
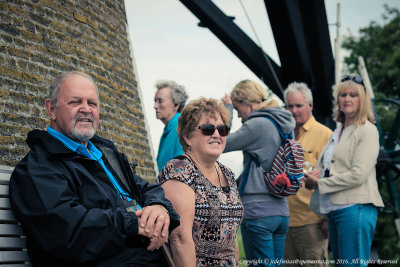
202,190
348,192
266,218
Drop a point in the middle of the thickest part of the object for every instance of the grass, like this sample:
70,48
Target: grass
242,255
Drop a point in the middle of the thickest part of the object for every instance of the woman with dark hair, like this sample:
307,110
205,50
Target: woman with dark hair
348,192
202,190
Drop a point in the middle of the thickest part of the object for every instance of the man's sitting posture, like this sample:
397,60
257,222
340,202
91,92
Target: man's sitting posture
76,196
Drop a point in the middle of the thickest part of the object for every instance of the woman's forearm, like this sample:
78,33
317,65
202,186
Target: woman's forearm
183,250
237,250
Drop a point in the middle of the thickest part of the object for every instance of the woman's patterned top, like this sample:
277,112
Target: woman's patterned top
217,214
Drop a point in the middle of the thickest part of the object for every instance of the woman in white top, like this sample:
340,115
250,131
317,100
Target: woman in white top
348,192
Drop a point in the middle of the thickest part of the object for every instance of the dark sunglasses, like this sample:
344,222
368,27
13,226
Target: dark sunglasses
356,79
209,129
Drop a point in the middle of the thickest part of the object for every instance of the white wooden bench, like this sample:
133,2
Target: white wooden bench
13,251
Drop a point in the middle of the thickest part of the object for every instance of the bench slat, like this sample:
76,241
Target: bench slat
11,230
3,190
14,256
12,242
5,173
4,177
7,216
4,203
6,169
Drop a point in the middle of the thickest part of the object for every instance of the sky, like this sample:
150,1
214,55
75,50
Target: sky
167,44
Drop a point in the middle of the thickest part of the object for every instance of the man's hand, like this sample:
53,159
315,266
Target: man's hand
154,223
324,228
226,99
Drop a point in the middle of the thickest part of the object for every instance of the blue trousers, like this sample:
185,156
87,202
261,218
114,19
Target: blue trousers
264,240
350,234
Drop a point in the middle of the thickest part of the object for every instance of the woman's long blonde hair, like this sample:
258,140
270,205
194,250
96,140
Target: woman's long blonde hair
250,92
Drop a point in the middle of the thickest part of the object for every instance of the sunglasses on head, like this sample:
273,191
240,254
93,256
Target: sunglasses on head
209,129
356,79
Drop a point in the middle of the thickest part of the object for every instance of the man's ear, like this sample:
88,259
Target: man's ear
50,109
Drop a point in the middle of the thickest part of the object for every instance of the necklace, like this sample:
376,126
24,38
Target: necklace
225,189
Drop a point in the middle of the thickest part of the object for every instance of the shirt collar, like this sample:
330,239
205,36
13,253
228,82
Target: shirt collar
74,146
172,122
309,124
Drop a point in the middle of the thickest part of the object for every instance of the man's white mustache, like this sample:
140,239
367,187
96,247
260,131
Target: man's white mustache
80,116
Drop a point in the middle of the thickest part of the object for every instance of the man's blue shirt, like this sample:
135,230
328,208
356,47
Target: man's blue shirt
170,146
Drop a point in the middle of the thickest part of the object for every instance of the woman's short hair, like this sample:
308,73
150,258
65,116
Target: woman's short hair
194,111
364,112
299,87
250,92
178,92
56,84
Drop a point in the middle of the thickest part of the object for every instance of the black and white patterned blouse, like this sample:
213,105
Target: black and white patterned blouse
217,214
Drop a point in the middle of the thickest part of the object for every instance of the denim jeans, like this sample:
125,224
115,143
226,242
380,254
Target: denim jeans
350,234
264,240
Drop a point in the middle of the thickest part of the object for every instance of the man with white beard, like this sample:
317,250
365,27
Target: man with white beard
75,195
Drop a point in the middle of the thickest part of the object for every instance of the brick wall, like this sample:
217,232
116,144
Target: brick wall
40,39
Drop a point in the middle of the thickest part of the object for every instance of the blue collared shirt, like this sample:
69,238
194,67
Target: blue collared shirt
90,152
169,146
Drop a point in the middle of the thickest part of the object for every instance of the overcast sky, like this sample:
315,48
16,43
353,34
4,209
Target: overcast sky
168,44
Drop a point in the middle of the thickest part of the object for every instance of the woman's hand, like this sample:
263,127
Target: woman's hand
226,99
312,178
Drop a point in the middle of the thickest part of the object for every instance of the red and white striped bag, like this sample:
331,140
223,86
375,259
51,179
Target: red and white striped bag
286,174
